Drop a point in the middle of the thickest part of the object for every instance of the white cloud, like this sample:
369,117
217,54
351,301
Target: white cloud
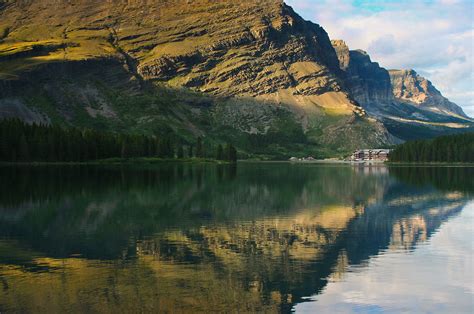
436,38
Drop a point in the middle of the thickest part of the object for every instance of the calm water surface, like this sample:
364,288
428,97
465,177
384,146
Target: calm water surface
252,238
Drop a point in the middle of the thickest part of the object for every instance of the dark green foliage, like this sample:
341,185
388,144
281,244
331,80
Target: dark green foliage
190,151
23,150
180,152
166,148
450,148
199,148
21,142
230,153
220,152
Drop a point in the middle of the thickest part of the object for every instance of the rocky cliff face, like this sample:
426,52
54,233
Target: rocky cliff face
223,47
409,87
368,83
409,105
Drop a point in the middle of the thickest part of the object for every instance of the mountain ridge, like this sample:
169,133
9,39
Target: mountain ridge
410,87
253,67
403,100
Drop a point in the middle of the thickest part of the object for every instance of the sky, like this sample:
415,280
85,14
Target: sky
433,37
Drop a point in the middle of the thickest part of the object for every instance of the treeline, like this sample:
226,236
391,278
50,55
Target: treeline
22,142
450,148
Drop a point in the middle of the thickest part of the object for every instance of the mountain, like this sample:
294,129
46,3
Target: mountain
411,88
367,82
251,72
408,104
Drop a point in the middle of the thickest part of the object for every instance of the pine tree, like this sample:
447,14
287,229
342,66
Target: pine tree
230,153
170,148
51,148
158,148
163,148
220,153
180,152
4,143
23,150
125,152
451,148
190,151
233,154
199,148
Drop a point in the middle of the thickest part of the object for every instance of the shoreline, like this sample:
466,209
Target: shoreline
154,161
118,161
361,163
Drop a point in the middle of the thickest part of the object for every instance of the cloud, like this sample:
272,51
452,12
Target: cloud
434,37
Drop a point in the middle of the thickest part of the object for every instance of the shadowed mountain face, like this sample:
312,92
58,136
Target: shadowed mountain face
408,104
253,72
366,80
169,238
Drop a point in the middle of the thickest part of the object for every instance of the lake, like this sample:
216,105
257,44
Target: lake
256,237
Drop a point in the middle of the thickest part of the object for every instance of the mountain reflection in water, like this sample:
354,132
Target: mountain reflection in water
183,237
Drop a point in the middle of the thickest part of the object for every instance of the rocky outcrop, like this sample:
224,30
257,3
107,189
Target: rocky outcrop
368,82
411,88
408,105
342,52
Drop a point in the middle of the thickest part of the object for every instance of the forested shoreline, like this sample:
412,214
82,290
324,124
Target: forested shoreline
22,142
449,148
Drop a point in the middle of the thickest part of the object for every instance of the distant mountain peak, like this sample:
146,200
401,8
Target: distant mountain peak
365,79
409,86
403,99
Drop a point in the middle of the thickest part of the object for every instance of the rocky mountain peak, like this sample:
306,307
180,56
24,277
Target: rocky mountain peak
408,86
342,52
366,80
400,98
